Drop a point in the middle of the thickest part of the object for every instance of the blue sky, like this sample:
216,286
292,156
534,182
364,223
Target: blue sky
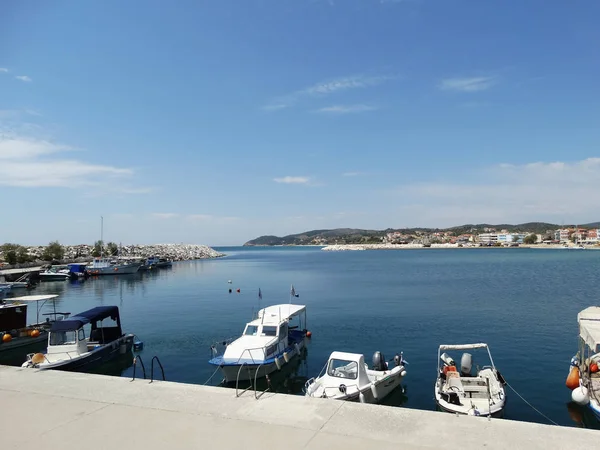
217,121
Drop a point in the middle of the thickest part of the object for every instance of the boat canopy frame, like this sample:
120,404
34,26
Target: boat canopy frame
283,312
92,316
465,347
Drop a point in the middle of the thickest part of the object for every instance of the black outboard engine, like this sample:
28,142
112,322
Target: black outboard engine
379,362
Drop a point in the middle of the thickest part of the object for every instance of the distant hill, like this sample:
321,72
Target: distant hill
359,236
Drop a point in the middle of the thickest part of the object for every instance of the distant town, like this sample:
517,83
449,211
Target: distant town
534,233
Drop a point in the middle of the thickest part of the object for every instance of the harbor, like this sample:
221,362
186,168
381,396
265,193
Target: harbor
348,298
109,409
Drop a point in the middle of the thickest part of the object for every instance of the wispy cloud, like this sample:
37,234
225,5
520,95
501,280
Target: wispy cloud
473,84
24,78
3,70
352,174
326,88
346,109
508,193
165,215
292,180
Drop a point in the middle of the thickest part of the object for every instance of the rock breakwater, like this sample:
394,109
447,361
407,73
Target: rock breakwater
174,252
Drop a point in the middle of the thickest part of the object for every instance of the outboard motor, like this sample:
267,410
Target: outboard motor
447,359
379,362
466,363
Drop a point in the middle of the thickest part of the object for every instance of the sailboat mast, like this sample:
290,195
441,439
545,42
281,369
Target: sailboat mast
101,236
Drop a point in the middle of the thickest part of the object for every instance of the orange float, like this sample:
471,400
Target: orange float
593,367
309,334
573,378
7,337
35,333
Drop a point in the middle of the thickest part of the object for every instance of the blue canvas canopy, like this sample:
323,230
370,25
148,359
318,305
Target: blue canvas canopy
90,316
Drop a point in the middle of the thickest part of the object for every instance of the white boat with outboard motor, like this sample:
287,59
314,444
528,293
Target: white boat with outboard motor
346,376
14,331
584,373
268,343
83,341
462,392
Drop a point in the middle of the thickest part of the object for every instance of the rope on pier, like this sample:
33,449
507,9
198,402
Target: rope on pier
532,407
216,370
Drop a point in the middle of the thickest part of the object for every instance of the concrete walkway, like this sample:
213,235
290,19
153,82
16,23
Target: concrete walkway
57,410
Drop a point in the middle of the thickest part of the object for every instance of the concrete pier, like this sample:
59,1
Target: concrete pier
57,410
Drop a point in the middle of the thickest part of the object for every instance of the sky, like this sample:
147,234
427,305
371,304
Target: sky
214,122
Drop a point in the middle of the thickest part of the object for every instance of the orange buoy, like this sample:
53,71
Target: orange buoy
309,334
35,333
593,367
38,358
573,378
7,337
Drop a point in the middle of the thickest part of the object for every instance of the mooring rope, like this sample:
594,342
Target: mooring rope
532,407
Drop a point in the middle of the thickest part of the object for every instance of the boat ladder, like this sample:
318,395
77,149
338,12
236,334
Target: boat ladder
257,394
138,358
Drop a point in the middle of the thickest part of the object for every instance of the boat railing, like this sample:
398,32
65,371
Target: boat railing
256,396
250,350
339,389
237,380
155,358
135,360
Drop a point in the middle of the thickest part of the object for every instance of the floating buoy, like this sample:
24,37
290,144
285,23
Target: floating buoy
238,290
6,338
35,333
229,281
38,358
573,378
230,290
580,396
308,334
594,367
116,269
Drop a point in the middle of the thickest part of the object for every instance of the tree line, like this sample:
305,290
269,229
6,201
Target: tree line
54,251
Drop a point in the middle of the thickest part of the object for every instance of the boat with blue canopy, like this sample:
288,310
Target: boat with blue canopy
83,341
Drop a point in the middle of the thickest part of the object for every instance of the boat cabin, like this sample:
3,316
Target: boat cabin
13,316
347,368
72,335
269,334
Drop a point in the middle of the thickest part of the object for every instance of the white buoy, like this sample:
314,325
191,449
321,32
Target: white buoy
278,363
361,397
286,357
374,391
229,281
580,395
403,373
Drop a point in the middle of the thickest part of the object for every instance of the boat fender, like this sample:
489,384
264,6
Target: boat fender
297,348
361,397
573,378
278,363
286,357
403,373
580,396
123,348
342,388
374,391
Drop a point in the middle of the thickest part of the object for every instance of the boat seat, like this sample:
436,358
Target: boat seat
453,383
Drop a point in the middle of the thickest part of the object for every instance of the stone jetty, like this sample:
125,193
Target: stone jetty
174,252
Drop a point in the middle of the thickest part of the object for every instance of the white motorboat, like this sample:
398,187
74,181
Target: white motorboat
462,392
268,343
584,375
346,376
75,347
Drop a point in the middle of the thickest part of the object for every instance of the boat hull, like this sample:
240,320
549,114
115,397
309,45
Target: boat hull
249,372
93,359
54,277
115,270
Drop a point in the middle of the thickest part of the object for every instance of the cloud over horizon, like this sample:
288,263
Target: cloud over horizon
292,180
24,78
473,84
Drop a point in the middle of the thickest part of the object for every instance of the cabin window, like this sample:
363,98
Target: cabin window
283,331
251,330
63,337
81,334
269,331
272,349
343,369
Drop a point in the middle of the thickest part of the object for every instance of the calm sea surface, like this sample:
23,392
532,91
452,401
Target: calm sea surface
522,302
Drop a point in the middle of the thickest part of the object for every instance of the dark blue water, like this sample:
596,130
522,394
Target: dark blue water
523,303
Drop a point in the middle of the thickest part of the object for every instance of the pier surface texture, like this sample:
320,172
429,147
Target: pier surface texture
58,410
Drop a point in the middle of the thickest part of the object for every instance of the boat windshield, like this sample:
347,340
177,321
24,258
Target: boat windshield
340,368
251,330
269,331
63,337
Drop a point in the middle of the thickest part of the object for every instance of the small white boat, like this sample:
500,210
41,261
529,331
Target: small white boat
584,375
268,343
462,392
81,342
346,376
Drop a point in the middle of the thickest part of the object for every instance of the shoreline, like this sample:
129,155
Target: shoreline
362,247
